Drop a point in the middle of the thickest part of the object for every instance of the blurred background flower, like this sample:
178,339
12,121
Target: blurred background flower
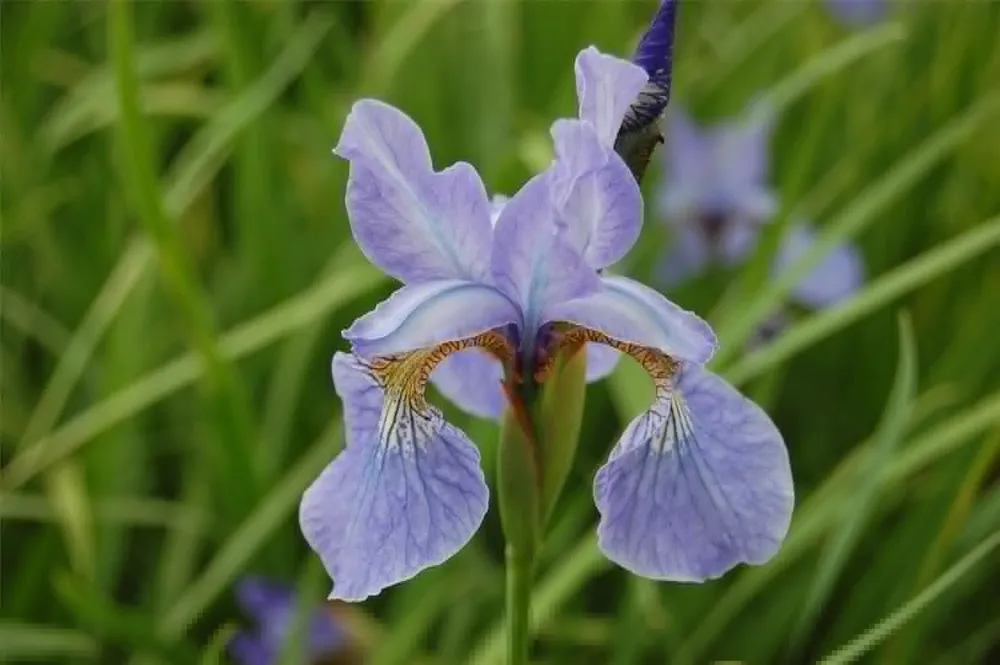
272,607
176,271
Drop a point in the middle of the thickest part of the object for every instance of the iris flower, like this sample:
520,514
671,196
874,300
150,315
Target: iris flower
697,484
272,606
715,193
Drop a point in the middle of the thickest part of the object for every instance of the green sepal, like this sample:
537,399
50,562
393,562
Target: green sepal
560,419
518,481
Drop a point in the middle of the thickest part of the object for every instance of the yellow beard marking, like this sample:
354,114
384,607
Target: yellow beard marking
406,415
660,367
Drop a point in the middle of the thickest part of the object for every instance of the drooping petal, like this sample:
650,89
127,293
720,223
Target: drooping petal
698,484
631,313
428,313
404,495
599,201
249,649
601,361
533,263
838,275
472,380
605,87
412,222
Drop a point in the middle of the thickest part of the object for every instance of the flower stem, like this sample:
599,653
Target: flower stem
520,566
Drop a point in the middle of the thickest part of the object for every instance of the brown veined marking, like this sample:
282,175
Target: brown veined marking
660,367
404,376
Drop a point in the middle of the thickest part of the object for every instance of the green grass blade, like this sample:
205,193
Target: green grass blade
864,643
23,642
855,510
912,275
246,338
862,212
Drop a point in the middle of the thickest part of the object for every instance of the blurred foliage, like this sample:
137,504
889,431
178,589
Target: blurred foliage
176,271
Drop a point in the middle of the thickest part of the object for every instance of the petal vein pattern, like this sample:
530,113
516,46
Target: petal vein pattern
408,491
414,223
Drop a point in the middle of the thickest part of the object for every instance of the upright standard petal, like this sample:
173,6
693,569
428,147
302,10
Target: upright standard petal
533,262
838,275
605,87
696,485
412,222
599,201
858,12
625,312
473,381
426,314
404,495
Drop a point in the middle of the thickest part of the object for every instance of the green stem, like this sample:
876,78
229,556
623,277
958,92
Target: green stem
520,566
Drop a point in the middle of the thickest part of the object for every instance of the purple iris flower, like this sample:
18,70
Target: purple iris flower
857,12
697,484
716,193
272,606
837,276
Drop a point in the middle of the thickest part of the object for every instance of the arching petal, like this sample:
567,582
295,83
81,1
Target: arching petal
600,204
630,312
426,314
605,87
837,276
412,222
696,485
533,263
404,495
472,380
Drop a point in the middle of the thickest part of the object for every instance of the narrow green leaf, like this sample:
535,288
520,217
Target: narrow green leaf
859,214
24,642
855,510
911,275
871,638
561,417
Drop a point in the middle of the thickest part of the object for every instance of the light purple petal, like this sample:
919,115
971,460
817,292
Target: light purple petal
361,397
325,636
837,276
425,314
737,240
497,204
605,87
262,598
631,312
248,649
719,172
473,381
413,223
601,361
858,12
601,208
533,264
696,485
400,498
687,256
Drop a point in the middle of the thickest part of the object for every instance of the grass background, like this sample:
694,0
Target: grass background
177,265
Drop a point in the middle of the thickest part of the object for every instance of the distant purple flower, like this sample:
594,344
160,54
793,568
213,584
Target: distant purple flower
697,484
837,276
858,12
272,606
715,194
